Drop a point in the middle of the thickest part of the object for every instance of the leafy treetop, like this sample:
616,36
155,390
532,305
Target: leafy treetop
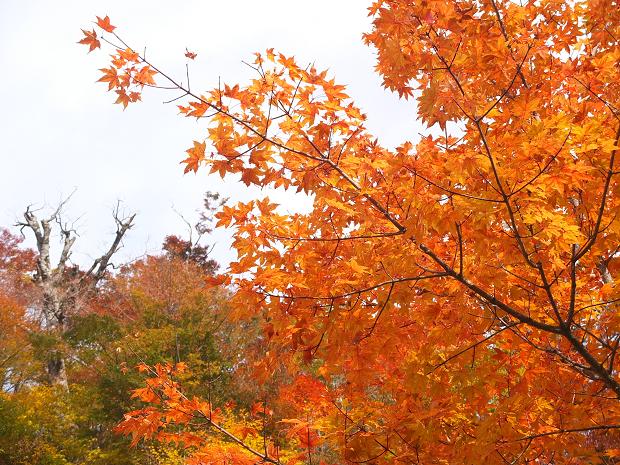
454,298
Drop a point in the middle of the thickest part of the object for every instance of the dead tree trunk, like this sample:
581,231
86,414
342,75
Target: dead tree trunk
63,287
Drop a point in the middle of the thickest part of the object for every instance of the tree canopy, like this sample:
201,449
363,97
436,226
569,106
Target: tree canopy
450,300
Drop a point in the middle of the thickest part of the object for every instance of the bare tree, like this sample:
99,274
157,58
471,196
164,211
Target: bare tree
63,286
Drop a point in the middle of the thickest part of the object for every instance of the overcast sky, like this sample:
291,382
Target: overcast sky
60,132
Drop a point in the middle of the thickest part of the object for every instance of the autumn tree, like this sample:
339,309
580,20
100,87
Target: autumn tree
63,287
162,308
452,300
15,348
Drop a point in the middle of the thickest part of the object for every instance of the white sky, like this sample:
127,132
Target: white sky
59,130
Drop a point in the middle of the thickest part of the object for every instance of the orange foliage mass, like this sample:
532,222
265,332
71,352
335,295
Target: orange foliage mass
452,300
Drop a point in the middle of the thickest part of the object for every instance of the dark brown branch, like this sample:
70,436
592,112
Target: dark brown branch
385,303
472,346
551,160
492,300
566,431
333,239
357,291
601,211
452,191
503,29
512,81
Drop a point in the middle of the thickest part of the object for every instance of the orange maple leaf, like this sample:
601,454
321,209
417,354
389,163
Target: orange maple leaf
110,76
134,96
129,55
145,76
123,98
195,155
90,39
190,55
104,23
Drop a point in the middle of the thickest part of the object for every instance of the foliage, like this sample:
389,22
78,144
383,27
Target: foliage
159,310
451,300
16,365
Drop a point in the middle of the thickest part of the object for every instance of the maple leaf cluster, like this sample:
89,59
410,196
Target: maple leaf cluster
171,415
128,73
453,299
